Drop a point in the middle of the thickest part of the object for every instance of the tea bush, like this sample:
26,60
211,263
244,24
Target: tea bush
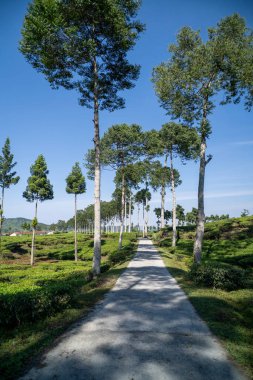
217,276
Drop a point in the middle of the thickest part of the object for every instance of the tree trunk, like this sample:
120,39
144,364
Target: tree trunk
130,212
174,228
201,213
75,233
163,193
123,200
146,217
33,235
138,217
97,215
125,223
197,250
143,218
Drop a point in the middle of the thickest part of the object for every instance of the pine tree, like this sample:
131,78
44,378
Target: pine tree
76,185
83,45
38,189
7,178
188,86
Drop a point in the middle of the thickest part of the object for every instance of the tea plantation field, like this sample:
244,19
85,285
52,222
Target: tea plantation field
221,288
38,303
28,293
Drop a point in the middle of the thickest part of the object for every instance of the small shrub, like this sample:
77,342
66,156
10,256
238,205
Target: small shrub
218,277
165,243
246,262
104,268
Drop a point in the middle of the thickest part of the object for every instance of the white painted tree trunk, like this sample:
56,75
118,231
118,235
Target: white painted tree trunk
146,218
130,212
138,213
125,222
33,235
143,219
123,201
174,206
97,214
162,205
76,258
163,193
201,214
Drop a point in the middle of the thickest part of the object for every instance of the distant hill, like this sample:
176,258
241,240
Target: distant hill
14,224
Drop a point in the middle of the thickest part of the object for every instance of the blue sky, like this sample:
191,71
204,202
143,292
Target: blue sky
41,120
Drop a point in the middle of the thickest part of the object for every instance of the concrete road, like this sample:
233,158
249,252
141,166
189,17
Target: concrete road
144,329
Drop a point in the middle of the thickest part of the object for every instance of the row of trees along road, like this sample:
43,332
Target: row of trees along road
125,149
38,187
189,83
83,45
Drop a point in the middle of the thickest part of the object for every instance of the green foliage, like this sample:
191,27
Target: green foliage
191,216
197,71
83,45
34,223
121,145
31,293
217,276
7,176
76,181
38,186
245,212
180,214
121,255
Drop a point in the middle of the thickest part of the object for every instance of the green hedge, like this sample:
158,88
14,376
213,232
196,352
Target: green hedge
217,276
27,302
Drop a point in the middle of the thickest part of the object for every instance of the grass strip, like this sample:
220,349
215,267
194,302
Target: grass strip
229,315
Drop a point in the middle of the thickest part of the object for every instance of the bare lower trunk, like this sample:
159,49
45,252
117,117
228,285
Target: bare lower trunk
146,218
138,217
33,235
163,193
174,216
201,213
125,226
97,215
143,231
162,205
130,213
75,233
123,200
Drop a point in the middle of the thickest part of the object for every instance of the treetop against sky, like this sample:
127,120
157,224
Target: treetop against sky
39,120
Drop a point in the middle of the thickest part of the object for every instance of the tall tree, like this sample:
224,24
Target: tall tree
7,178
121,146
171,141
191,216
38,189
83,45
76,185
143,197
188,84
161,177
157,212
180,214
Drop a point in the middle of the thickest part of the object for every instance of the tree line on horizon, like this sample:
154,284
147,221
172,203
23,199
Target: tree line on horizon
83,45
